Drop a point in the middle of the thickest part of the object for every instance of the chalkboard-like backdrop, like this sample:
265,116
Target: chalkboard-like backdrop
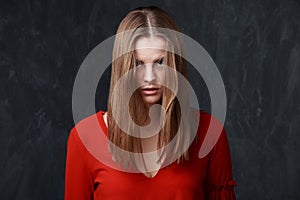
255,44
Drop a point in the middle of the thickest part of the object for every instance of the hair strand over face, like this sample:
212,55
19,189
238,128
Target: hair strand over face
143,22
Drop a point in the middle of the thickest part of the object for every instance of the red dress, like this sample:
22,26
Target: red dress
87,178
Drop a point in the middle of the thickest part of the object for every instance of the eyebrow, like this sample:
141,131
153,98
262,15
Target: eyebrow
156,60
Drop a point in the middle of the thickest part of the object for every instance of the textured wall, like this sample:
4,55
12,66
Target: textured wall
255,44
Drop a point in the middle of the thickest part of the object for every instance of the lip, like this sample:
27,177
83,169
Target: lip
150,90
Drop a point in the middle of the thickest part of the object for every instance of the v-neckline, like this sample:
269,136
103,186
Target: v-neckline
157,167
151,177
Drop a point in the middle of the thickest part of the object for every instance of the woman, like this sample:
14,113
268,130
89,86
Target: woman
146,58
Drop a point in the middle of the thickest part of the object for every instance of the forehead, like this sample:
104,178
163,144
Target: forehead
149,48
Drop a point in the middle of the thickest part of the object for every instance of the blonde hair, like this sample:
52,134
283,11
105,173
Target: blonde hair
123,61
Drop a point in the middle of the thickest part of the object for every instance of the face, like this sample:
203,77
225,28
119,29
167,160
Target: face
150,54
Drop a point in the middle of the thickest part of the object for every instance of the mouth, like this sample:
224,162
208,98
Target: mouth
150,91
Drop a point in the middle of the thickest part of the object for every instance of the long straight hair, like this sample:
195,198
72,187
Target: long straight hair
136,20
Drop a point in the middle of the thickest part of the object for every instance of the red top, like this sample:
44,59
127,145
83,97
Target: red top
87,178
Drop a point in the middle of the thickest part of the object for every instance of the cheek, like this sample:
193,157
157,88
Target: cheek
139,76
160,75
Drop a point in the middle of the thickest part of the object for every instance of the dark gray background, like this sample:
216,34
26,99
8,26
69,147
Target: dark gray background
254,43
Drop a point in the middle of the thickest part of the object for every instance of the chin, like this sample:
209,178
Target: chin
151,101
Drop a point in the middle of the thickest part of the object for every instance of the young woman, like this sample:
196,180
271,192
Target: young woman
146,58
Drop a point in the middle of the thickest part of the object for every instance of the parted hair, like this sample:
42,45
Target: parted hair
143,22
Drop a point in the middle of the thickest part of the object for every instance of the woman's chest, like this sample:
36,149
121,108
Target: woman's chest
185,179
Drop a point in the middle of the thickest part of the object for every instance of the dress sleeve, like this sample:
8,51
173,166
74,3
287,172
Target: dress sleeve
219,184
78,178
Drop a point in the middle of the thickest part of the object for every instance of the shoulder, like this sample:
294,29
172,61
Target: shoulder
94,118
211,133
90,125
90,134
208,119
87,131
207,123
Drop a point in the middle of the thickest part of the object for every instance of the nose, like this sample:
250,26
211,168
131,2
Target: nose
149,75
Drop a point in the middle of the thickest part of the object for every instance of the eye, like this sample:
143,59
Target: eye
138,63
160,61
